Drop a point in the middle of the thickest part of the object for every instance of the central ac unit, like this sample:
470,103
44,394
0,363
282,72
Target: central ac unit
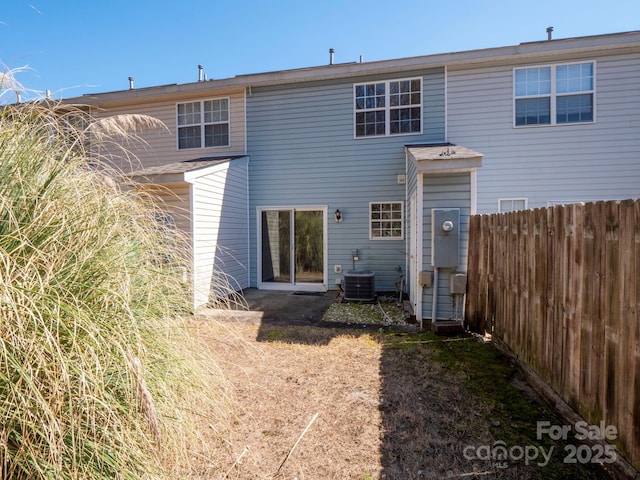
360,286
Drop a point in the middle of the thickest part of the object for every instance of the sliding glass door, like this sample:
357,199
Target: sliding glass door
292,248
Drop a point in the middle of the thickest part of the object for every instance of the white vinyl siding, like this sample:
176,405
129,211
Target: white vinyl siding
203,123
159,146
173,199
220,231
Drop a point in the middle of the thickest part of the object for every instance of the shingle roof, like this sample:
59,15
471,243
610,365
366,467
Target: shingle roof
441,151
181,167
443,158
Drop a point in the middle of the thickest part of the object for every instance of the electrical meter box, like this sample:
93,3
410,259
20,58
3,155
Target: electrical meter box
445,237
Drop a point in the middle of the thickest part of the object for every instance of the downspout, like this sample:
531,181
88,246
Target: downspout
446,104
419,260
434,303
193,244
473,184
407,261
248,199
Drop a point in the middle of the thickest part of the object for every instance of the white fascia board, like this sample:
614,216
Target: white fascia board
193,175
625,41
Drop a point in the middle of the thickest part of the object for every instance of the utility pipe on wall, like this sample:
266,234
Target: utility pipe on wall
434,303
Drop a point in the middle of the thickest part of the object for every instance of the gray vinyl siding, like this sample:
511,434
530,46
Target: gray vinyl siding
444,191
303,153
564,163
220,231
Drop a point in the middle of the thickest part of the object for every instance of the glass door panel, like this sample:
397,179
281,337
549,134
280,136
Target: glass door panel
292,249
276,246
309,246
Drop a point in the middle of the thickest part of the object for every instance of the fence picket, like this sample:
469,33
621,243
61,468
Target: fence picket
560,287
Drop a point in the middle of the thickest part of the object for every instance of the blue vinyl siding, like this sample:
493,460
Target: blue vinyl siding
445,191
303,153
550,164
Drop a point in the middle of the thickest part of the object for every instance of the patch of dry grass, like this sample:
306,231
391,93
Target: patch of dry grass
279,387
382,413
392,406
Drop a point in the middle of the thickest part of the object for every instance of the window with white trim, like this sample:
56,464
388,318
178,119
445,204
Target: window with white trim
554,94
203,124
388,108
511,204
386,220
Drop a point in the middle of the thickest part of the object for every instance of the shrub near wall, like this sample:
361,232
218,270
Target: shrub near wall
93,365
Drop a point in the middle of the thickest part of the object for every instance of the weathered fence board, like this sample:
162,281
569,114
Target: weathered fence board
560,287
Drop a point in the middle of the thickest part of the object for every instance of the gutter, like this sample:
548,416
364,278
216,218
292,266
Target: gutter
524,51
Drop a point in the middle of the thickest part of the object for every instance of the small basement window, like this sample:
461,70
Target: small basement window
512,204
386,221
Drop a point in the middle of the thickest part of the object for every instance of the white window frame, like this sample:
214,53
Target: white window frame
387,108
202,124
389,228
301,286
512,199
553,95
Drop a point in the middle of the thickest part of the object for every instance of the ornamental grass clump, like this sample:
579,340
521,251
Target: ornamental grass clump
96,366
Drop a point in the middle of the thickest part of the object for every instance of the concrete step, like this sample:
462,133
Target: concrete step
409,315
447,327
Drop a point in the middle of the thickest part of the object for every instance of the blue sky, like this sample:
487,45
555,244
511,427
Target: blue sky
74,47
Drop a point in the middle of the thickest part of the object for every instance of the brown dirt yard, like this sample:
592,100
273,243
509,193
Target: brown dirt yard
357,396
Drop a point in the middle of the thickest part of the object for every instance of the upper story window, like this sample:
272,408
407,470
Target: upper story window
388,108
556,94
203,124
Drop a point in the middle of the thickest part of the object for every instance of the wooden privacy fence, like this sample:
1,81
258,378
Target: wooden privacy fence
559,286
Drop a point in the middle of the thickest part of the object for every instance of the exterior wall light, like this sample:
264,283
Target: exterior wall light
338,216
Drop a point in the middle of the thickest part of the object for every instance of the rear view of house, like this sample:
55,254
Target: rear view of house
304,179
197,168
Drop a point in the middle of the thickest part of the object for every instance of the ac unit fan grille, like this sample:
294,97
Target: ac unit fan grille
360,286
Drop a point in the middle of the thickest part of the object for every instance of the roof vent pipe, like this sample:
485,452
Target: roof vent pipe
200,74
549,32
331,55
130,83
361,59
